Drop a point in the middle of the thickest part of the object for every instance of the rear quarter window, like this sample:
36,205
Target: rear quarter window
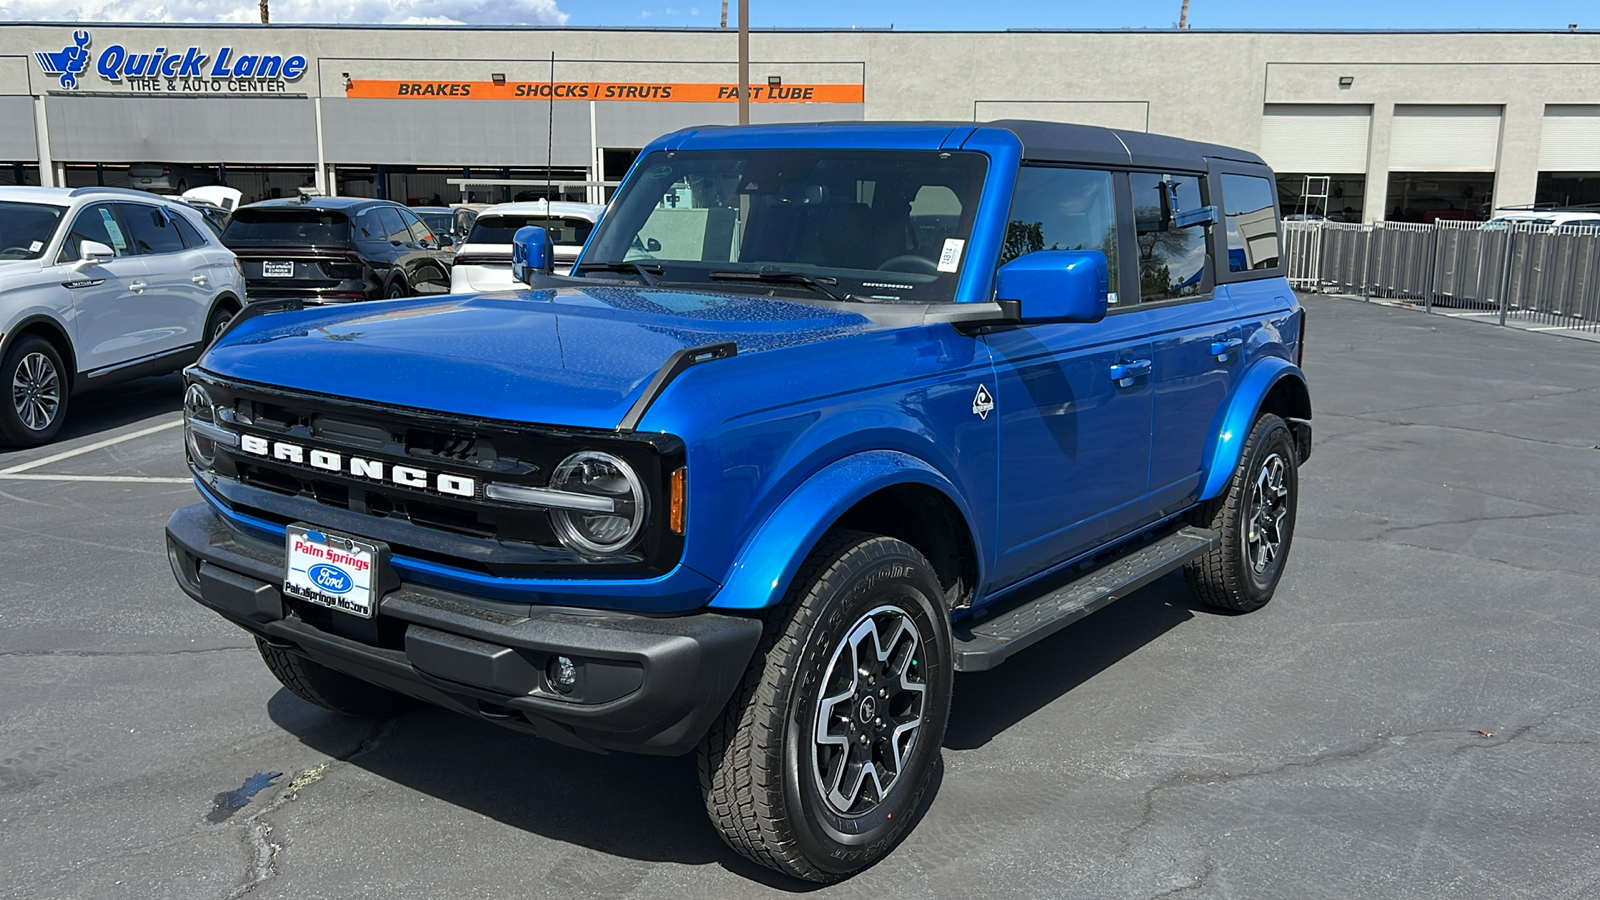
1252,223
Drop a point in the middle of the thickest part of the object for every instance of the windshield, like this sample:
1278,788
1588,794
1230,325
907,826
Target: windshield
26,229
438,222
499,229
875,224
296,227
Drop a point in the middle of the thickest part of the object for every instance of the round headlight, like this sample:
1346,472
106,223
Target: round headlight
197,407
600,475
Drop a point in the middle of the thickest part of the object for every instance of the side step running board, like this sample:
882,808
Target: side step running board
990,642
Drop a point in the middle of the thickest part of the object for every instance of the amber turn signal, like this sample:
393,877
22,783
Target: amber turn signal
675,507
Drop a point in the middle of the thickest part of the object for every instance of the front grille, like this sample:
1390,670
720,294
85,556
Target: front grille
469,532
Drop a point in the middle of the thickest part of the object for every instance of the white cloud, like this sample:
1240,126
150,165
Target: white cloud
401,12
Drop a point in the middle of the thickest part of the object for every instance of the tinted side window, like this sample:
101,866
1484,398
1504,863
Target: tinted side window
1063,209
1172,260
369,226
190,234
419,231
393,227
1252,223
150,229
96,223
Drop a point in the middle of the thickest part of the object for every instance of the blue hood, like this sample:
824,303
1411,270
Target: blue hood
574,356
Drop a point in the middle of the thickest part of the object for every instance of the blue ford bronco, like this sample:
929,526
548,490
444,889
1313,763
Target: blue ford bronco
823,416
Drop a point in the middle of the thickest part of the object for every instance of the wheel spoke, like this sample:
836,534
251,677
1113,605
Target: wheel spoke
868,711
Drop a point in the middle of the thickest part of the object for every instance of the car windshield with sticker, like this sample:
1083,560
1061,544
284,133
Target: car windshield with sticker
876,225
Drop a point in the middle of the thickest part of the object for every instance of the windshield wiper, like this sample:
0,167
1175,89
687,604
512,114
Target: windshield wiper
818,284
648,272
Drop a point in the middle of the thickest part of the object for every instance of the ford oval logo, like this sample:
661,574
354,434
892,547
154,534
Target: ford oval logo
332,579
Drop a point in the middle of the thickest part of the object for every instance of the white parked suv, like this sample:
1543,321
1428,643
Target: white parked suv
483,263
97,286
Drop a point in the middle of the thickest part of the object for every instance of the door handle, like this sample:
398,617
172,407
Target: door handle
1221,348
1125,374
198,279
137,286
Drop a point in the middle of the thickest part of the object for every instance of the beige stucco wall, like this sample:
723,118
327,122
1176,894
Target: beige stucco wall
1205,85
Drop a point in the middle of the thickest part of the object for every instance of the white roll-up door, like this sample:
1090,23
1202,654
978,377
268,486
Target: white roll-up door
1571,139
1316,140
1445,139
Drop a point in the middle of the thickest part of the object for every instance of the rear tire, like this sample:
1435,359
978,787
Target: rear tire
821,762
1255,517
396,290
35,391
329,689
218,321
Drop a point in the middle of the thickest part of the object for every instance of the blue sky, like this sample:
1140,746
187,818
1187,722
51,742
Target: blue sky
993,14
902,14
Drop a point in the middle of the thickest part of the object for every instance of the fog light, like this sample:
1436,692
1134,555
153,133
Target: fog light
563,673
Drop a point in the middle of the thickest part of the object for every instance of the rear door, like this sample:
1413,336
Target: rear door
1193,328
179,296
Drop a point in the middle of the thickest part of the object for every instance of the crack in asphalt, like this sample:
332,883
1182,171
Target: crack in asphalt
1360,417
1478,557
1468,741
258,841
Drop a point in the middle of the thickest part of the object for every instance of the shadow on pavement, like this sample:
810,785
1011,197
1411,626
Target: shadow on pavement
114,407
987,703
645,808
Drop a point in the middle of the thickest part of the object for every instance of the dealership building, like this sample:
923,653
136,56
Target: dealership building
1359,125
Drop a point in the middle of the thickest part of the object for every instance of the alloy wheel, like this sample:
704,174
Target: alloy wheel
1269,507
36,391
870,709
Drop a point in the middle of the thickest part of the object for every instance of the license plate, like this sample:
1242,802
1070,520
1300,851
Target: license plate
277,269
329,570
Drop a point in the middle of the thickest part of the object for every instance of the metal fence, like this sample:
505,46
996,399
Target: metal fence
1526,273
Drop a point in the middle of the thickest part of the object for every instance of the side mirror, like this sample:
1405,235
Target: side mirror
446,240
91,252
530,253
1055,286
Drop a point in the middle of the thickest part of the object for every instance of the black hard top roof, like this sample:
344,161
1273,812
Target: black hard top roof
1058,141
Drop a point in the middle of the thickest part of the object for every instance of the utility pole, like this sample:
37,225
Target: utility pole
744,61
266,17
724,13
1183,16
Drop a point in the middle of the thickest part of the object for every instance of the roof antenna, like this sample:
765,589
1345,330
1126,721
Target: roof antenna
550,134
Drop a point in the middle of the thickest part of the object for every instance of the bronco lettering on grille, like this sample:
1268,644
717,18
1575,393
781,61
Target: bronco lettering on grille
358,467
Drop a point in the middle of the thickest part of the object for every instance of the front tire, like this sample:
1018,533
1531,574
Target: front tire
820,763
1255,517
36,393
330,689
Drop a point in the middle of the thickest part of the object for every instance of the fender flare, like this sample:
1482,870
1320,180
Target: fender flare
769,559
69,354
1227,437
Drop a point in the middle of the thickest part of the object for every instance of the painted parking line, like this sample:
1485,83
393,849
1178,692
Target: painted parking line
105,479
90,448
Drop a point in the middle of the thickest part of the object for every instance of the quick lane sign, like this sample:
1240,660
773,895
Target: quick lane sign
160,69
654,92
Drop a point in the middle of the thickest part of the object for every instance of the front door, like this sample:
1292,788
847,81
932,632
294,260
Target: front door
1074,401
104,295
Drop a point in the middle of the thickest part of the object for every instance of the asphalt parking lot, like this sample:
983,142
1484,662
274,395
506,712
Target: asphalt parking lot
1415,715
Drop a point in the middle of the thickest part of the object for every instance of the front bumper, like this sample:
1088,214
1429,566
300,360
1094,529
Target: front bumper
645,684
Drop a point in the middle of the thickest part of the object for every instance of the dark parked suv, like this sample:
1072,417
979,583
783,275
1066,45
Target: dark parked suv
336,250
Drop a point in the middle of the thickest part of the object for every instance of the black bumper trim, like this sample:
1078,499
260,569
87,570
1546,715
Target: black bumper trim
645,684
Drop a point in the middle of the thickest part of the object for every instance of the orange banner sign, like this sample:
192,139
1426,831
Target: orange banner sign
600,90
